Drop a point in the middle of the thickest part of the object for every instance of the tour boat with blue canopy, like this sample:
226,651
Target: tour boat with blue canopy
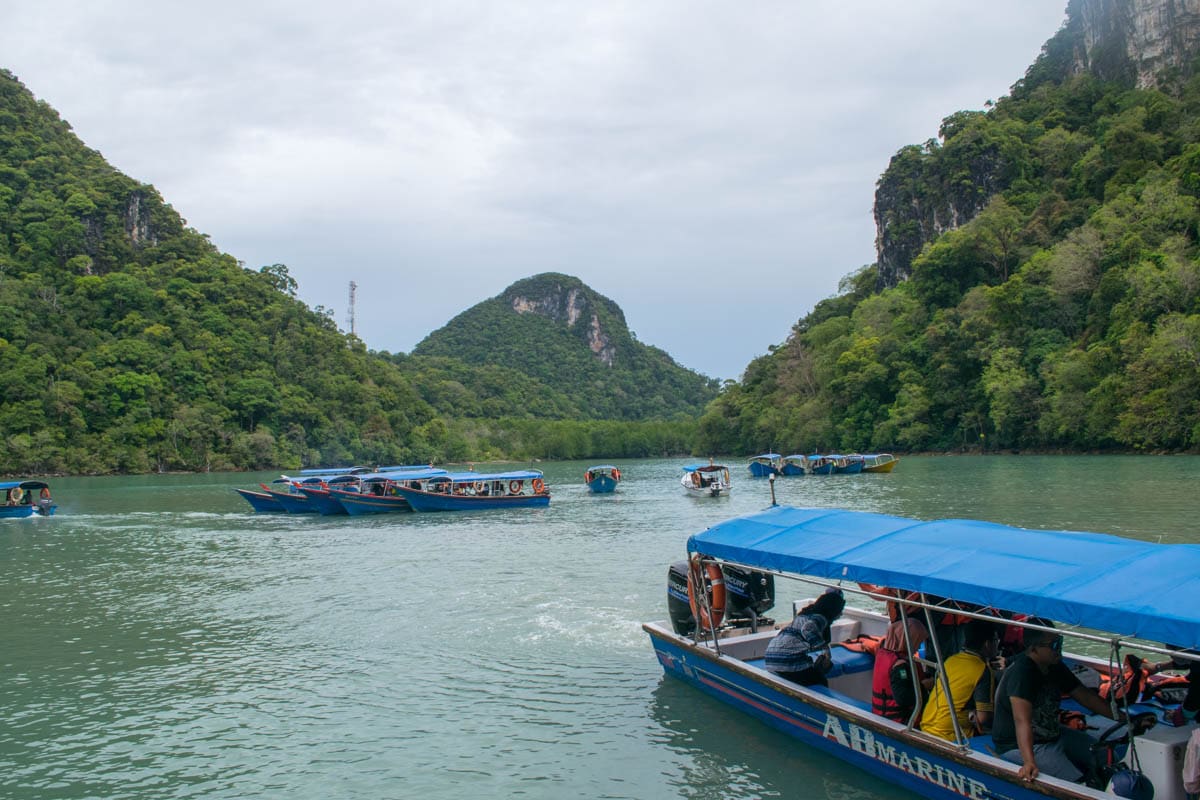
262,502
26,498
706,480
796,464
379,492
764,465
1110,592
469,491
602,478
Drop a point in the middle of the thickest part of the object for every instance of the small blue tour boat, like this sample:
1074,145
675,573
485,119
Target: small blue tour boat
847,465
471,491
26,498
1112,592
764,465
820,465
794,465
602,478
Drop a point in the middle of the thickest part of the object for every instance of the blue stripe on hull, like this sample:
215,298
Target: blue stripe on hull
877,753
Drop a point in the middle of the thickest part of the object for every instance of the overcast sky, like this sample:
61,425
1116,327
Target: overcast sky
706,165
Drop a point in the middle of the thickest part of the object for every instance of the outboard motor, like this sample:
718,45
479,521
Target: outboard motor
748,595
678,607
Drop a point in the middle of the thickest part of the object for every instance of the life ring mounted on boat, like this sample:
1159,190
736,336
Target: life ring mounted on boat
707,575
514,487
616,473
14,496
538,485
45,494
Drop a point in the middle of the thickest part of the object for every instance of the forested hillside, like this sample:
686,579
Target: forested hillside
574,342
1038,285
129,343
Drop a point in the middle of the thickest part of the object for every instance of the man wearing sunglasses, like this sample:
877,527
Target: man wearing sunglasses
1026,728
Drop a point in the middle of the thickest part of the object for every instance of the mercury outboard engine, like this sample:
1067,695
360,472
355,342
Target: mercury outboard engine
678,607
748,595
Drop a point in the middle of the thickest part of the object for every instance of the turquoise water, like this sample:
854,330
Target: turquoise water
157,639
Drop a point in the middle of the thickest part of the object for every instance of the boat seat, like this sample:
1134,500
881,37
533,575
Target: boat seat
845,698
845,662
983,744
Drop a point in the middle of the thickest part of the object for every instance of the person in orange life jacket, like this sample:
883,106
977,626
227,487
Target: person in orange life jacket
1191,701
1026,728
790,654
892,692
972,685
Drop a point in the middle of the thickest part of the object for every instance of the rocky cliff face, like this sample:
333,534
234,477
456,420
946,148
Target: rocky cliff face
1143,41
924,193
567,303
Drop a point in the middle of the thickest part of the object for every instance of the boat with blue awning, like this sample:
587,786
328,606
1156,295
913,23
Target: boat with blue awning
476,491
706,480
26,498
379,492
602,478
764,465
796,464
1115,594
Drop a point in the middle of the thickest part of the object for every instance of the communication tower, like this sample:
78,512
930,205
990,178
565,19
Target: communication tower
353,290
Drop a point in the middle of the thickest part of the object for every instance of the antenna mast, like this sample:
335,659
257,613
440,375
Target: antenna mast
353,290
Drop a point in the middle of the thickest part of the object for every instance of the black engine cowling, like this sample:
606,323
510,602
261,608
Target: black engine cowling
678,607
748,594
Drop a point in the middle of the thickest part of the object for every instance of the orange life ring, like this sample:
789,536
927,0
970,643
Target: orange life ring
538,485
514,487
616,474
716,583
587,476
45,493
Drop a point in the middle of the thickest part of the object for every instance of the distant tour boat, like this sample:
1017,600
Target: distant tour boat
794,465
471,491
706,480
879,462
602,479
26,499
766,464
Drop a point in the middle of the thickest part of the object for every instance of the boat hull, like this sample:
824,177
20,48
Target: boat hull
760,470
437,501
885,466
360,503
850,468
261,502
792,469
821,720
602,484
293,503
15,512
323,500
822,469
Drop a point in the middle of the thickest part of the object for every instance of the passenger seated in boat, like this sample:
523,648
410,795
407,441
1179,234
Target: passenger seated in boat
972,686
790,654
892,692
1026,728
1191,700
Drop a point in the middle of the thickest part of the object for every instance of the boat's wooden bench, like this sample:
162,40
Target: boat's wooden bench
845,662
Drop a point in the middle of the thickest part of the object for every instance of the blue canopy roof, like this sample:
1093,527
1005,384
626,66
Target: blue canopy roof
1109,583
405,475
473,477
765,455
602,466
22,485
703,467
